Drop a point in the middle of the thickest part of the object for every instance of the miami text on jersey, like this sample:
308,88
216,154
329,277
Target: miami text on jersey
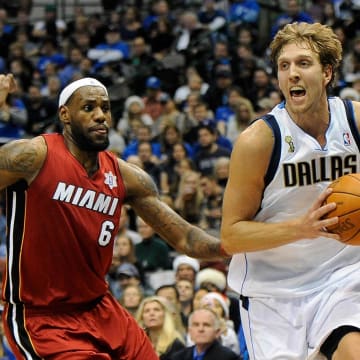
89,199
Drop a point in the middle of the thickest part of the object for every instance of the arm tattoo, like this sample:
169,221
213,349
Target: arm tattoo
18,159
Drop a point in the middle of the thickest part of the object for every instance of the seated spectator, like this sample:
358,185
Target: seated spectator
171,295
143,133
292,12
220,304
240,120
214,280
13,119
186,268
152,99
150,162
209,150
140,66
211,206
132,118
50,25
126,274
152,252
131,298
204,331
169,137
42,112
112,50
130,24
170,116
194,84
155,317
221,170
73,67
125,226
50,53
189,197
186,291
172,169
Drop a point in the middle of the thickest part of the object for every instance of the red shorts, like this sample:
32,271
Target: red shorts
104,330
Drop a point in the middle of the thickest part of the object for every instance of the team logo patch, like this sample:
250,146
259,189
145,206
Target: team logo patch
346,137
110,180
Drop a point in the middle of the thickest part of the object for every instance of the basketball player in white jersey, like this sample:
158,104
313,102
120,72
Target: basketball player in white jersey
299,285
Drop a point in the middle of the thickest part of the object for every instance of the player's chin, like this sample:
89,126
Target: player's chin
100,144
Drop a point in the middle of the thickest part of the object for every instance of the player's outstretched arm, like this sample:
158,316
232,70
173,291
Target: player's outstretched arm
21,160
142,195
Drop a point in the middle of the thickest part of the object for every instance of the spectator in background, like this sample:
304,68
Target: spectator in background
214,19
143,133
24,68
186,291
152,99
132,118
185,268
113,49
160,37
189,197
150,162
155,317
221,170
194,42
42,112
125,226
240,120
214,280
194,85
204,331
211,204
262,87
172,169
152,252
50,27
170,293
130,24
171,136
159,10
13,119
219,303
139,66
50,53
292,12
126,274
73,67
243,12
209,150
131,298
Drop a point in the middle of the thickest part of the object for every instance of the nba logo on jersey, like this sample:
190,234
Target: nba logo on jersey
110,180
346,137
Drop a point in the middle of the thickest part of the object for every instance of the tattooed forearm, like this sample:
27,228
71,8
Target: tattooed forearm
202,244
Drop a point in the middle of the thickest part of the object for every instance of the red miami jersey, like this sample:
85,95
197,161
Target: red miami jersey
61,230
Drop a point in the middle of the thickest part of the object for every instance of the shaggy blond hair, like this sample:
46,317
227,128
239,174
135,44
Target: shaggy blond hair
319,38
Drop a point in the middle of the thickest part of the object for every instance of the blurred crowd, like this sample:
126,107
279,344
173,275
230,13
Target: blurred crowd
184,79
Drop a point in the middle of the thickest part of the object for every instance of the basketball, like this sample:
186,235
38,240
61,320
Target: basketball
346,195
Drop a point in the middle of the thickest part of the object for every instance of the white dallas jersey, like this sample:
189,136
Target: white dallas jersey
300,169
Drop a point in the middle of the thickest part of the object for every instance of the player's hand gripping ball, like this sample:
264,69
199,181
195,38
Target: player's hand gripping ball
346,195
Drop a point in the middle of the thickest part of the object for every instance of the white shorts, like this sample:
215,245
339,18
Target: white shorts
295,328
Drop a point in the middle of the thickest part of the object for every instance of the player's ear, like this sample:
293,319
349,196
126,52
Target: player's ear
64,115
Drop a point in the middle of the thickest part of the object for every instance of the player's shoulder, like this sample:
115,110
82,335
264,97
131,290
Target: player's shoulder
137,182
257,136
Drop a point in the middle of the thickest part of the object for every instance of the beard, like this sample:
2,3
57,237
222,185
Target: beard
85,142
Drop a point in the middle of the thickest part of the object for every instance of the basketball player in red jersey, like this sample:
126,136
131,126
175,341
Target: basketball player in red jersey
64,197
